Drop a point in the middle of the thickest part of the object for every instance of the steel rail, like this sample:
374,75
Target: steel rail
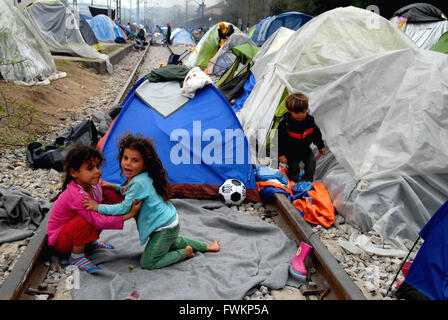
336,279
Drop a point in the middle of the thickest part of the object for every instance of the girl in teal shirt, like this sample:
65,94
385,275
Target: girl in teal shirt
157,218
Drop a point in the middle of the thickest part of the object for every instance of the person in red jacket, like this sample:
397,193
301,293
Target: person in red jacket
296,131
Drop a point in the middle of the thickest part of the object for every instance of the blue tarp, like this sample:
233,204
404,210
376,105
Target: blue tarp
104,28
202,127
266,27
428,272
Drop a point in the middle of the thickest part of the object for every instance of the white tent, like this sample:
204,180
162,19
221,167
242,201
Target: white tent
24,57
58,26
379,101
269,49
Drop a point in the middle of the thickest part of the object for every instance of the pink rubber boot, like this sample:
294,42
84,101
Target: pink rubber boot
297,266
404,270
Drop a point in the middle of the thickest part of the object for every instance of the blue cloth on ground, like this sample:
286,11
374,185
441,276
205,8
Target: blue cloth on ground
302,185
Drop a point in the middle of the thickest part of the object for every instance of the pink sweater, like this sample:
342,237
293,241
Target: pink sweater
69,204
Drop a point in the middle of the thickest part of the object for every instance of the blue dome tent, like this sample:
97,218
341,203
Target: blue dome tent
266,27
182,37
200,147
105,29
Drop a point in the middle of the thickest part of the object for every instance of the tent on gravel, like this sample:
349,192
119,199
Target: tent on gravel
23,54
384,126
200,147
206,47
422,22
266,27
64,30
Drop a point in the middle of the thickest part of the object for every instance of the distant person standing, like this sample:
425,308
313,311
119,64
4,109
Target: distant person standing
168,34
229,32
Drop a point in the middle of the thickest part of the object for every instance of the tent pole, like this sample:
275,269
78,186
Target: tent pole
402,264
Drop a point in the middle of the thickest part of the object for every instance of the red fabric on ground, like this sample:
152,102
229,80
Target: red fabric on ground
77,232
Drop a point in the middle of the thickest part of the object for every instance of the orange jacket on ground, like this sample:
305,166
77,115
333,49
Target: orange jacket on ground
319,211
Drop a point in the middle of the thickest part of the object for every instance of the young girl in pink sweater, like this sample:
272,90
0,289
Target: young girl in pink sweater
71,227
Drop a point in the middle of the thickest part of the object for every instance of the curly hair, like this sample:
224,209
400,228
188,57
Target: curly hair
153,165
77,154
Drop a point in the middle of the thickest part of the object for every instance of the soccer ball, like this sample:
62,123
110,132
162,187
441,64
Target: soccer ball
232,192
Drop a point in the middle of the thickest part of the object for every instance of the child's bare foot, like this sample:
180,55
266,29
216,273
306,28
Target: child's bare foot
214,247
189,251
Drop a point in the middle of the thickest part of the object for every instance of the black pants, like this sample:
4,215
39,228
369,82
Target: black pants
293,162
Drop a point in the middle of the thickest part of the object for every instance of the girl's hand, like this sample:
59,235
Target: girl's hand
108,185
135,208
323,151
90,204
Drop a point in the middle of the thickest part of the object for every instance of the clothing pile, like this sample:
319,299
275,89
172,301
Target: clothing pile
311,199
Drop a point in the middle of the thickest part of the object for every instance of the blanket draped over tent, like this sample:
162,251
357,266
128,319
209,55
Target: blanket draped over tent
253,253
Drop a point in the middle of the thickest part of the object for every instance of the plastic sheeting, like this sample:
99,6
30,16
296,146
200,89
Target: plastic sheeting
58,26
225,57
20,44
395,207
317,54
379,101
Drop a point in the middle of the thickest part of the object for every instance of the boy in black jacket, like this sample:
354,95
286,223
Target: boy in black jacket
296,132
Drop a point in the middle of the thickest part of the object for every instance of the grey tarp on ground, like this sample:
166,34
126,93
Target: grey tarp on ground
20,215
253,252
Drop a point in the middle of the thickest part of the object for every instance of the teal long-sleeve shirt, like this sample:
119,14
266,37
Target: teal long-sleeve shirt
154,213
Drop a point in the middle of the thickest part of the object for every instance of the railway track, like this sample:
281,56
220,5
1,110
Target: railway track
328,281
